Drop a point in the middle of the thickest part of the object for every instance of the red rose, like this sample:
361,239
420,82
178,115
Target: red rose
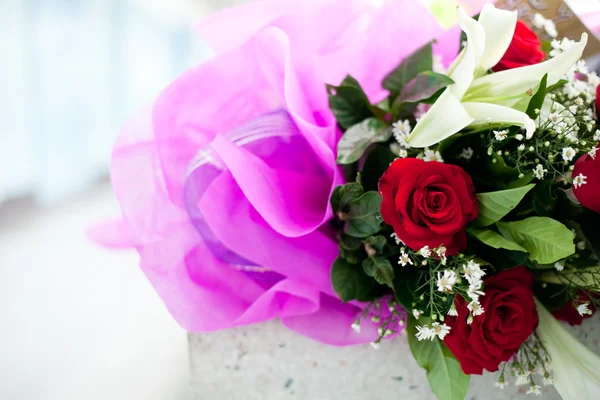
588,194
509,318
569,314
524,49
428,203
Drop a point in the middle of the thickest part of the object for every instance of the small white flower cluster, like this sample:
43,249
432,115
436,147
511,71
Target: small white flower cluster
401,130
580,80
583,309
540,22
431,332
473,273
501,135
430,155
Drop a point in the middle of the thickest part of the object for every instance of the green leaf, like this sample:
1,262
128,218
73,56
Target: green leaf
420,61
349,103
494,239
344,194
537,100
350,243
422,87
377,162
359,137
543,200
376,242
495,205
446,378
546,239
556,86
380,269
350,281
364,217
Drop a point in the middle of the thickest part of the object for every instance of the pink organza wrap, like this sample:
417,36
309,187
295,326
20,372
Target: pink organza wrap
224,183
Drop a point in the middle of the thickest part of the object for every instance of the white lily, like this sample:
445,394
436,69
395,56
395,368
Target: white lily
576,369
497,99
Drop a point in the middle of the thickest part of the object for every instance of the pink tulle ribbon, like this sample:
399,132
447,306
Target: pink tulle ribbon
224,184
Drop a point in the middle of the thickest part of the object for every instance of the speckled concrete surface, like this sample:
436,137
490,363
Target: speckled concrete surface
268,362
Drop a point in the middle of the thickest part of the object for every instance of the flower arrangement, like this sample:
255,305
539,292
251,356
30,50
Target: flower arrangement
473,197
449,193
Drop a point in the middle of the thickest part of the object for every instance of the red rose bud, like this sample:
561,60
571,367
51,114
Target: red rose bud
428,203
569,313
524,49
587,169
509,318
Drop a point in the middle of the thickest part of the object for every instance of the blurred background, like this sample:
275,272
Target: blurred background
78,321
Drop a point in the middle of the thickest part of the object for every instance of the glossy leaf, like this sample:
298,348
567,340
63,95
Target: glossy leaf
546,239
537,100
349,103
495,205
344,194
359,137
364,218
420,61
446,378
350,281
494,239
380,269
422,87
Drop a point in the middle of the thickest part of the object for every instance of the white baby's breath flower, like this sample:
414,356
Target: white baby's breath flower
396,239
453,312
522,378
475,308
583,309
440,330
593,152
375,345
597,135
500,135
559,266
417,313
554,118
568,153
519,137
534,389
402,153
474,291
579,181
401,128
581,245
548,381
425,251
405,259
431,155
424,333
521,147
466,153
539,171
446,282
500,384
356,327
472,272
441,252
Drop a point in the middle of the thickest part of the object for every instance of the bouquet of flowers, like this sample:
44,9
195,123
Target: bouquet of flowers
449,193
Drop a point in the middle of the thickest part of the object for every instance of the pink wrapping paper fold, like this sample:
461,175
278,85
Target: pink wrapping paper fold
224,183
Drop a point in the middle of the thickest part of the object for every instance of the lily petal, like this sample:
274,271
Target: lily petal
499,26
576,368
446,117
463,71
483,113
516,81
